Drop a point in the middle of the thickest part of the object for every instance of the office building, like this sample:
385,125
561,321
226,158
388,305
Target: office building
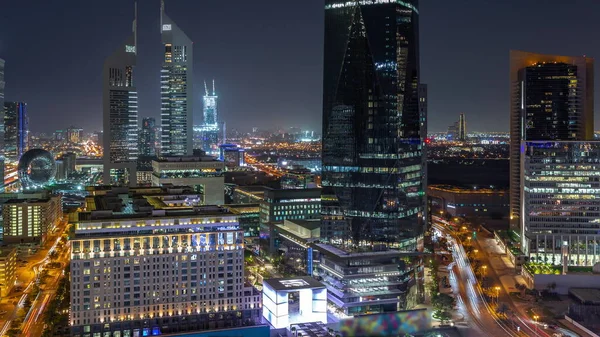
16,130
209,131
2,85
373,131
552,98
561,202
8,266
468,202
177,89
204,174
296,238
29,220
65,166
148,137
280,205
298,178
232,155
129,279
462,127
248,217
120,104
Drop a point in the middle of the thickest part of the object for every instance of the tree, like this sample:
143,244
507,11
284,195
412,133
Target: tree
443,304
502,309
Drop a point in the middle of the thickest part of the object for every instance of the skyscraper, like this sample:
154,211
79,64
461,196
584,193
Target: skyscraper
210,126
148,137
373,168
2,83
177,87
120,102
551,99
462,127
16,130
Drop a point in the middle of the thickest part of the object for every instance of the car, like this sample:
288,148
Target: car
553,326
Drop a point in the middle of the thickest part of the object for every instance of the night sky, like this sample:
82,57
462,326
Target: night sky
266,55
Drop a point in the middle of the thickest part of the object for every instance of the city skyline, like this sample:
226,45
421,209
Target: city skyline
297,102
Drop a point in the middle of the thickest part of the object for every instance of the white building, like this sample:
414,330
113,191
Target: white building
167,272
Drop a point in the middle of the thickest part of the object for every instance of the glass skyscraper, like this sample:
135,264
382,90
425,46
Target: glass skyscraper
2,83
373,174
16,130
210,128
148,137
176,85
372,130
120,101
551,99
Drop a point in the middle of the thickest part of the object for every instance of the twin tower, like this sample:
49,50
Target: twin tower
120,102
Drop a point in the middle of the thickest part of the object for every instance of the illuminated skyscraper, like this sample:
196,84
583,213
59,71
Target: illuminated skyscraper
210,127
462,127
177,86
373,164
552,98
148,137
120,102
1,107
16,130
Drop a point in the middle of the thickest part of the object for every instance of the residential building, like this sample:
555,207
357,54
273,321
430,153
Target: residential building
177,89
120,109
16,130
552,98
373,133
204,174
8,266
30,220
560,192
129,279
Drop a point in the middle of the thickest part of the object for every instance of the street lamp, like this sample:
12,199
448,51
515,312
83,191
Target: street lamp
484,270
497,293
535,318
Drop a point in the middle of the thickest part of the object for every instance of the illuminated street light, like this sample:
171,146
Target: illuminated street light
484,270
497,293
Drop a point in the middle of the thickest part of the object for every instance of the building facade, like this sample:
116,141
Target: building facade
462,127
2,85
120,109
16,130
130,279
177,89
561,202
373,133
469,202
8,266
552,98
209,131
204,174
148,137
29,220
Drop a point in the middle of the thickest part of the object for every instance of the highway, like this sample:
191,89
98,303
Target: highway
469,296
251,161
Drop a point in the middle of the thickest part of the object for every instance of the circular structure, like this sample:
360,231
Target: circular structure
36,168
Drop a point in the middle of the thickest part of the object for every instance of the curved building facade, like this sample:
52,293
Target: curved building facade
36,168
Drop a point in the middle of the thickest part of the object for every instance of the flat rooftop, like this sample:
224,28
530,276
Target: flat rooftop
586,295
293,283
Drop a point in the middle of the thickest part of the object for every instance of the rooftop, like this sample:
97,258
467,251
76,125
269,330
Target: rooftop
586,295
294,283
344,254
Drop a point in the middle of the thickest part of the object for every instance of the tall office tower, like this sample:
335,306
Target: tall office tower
16,130
551,99
462,127
209,131
148,137
2,83
372,150
120,100
177,88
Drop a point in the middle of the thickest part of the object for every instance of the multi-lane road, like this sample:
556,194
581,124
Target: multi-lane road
478,312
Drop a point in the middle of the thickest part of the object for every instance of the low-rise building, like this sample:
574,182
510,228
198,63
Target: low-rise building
203,174
29,220
469,202
295,241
